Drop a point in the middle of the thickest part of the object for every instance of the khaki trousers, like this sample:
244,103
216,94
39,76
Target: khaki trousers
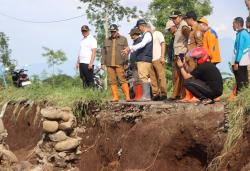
144,69
158,79
114,72
177,80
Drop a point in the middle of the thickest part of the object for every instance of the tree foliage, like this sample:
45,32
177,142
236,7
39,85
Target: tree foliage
161,9
54,57
5,51
102,13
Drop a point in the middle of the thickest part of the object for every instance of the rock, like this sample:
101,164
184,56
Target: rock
2,129
24,165
8,155
65,126
62,154
48,167
37,168
50,126
58,136
73,169
66,145
56,114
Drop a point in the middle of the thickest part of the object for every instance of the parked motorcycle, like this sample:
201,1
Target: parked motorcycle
20,78
98,83
130,80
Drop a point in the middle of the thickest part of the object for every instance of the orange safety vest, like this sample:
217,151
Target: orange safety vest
211,44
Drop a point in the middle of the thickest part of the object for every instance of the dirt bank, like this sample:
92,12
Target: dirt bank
22,122
131,137
238,159
162,137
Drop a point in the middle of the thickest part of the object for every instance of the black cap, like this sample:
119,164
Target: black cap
85,28
113,27
140,21
134,31
191,14
175,14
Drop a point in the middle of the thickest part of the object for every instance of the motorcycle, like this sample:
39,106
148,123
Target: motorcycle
130,80
98,83
20,78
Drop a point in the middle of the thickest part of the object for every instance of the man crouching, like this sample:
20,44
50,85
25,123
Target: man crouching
205,81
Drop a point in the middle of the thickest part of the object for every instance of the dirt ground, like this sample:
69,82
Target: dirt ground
24,129
152,141
134,137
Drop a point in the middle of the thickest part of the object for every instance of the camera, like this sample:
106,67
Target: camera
181,56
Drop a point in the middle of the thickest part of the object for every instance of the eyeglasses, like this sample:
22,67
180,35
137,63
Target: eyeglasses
84,30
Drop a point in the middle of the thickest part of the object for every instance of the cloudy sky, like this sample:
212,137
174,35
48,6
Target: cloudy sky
27,39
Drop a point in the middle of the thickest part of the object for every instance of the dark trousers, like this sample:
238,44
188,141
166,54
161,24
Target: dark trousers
200,89
86,75
241,77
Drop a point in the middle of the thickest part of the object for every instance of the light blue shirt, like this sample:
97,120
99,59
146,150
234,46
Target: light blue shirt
242,45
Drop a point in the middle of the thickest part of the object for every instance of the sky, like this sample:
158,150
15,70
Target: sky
27,39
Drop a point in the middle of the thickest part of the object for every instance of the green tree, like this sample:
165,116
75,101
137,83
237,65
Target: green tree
161,9
54,58
5,51
101,13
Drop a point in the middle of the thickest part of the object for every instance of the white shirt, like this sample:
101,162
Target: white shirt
86,46
146,39
158,39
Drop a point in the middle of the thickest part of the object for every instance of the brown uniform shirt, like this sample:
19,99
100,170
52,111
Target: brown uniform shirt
111,51
195,37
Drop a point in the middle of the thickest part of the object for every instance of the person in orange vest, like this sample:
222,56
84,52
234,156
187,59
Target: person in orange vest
210,43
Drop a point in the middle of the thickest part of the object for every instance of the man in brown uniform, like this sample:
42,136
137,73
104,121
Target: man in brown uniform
180,50
195,37
114,61
195,40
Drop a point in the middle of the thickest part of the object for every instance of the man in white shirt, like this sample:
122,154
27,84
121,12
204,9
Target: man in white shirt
157,74
86,57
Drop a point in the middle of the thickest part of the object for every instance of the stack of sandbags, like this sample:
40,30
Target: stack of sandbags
60,144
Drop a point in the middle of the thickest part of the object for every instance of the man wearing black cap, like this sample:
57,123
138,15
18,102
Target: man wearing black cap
144,57
86,57
114,61
196,35
180,50
195,40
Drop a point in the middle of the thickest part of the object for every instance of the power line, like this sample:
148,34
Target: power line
40,22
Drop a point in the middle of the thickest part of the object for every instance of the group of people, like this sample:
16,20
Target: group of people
195,50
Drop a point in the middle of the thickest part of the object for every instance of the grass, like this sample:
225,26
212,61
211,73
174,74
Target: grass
238,116
59,96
